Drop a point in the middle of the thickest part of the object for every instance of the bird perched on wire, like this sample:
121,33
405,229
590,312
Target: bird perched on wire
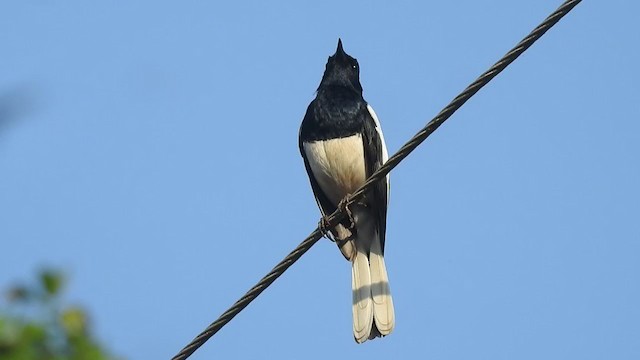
342,144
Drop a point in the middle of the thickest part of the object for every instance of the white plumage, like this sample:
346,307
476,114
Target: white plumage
337,165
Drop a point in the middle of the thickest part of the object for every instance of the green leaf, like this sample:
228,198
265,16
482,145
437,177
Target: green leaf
51,281
48,329
74,322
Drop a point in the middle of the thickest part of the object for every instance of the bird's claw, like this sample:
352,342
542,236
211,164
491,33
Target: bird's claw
344,207
323,226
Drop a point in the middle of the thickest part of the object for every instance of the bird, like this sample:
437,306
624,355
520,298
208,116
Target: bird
342,144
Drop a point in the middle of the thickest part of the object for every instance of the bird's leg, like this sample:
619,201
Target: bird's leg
323,226
344,207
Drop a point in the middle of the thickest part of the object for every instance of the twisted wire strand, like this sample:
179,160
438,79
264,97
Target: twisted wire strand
393,161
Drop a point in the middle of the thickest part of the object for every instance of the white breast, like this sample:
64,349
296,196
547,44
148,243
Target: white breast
337,165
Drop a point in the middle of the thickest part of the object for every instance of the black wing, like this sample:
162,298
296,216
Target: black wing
375,153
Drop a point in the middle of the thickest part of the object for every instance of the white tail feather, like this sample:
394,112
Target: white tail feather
372,303
362,304
383,313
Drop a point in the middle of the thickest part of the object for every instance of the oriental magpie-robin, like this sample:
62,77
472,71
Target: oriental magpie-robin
342,144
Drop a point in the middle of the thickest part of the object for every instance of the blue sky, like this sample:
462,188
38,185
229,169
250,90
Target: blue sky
150,151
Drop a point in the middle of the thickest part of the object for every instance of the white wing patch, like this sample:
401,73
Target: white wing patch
385,153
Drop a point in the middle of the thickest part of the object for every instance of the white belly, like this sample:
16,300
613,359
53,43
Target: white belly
337,165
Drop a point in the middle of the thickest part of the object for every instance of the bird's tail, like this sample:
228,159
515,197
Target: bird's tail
373,313
383,314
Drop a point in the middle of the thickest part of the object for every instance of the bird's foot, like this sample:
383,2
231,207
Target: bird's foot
344,207
323,226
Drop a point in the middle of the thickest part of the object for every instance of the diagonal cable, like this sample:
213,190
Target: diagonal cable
393,161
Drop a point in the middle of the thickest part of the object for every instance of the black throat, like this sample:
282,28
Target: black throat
339,109
336,112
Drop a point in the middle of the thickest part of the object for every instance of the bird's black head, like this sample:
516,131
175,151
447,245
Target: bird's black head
342,70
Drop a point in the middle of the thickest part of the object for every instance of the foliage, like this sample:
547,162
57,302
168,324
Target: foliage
34,324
